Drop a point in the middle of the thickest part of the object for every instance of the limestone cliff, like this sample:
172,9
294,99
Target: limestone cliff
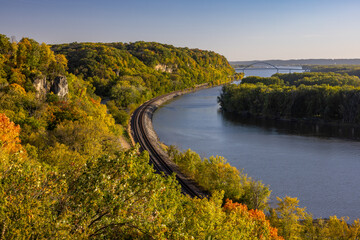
58,86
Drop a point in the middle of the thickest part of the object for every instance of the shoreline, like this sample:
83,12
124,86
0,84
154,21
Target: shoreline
148,130
162,100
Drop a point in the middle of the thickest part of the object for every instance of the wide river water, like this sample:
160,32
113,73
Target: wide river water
319,165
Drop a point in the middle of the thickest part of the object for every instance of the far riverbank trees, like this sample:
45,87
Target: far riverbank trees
322,96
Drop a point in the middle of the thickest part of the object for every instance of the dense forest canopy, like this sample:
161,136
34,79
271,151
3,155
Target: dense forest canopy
161,67
310,95
65,175
129,73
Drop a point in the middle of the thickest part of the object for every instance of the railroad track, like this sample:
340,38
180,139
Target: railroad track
158,161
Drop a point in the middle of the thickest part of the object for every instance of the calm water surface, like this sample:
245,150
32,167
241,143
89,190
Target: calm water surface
317,164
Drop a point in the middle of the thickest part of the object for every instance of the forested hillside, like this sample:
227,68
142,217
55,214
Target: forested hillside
65,175
130,73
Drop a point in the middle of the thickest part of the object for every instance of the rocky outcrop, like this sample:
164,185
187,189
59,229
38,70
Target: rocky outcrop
58,86
165,68
42,87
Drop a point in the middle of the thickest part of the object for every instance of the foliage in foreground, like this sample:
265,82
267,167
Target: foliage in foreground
287,219
215,174
114,196
293,222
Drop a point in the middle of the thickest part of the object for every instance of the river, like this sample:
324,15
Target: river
317,164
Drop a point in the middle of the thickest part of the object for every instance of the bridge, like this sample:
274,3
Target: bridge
250,66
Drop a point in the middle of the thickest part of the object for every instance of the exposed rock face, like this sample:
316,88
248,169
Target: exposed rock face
58,86
164,68
42,87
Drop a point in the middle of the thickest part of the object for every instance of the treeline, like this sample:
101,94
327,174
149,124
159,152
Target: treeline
350,69
130,73
322,96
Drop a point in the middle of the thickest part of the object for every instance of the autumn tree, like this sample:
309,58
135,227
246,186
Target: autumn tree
216,174
9,135
287,216
249,224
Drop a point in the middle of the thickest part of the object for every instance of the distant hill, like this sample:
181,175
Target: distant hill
298,62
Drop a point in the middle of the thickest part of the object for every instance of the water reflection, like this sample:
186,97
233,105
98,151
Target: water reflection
293,127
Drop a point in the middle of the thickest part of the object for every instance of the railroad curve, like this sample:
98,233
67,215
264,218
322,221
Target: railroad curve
143,133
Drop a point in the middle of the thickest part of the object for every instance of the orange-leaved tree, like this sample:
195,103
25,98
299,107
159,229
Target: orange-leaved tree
9,135
252,220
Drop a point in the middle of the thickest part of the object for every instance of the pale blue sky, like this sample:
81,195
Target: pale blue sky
240,30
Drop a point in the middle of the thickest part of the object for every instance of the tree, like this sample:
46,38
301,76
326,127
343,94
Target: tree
248,224
256,195
9,135
286,218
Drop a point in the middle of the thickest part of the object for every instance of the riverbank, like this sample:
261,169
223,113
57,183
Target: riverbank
156,104
149,128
